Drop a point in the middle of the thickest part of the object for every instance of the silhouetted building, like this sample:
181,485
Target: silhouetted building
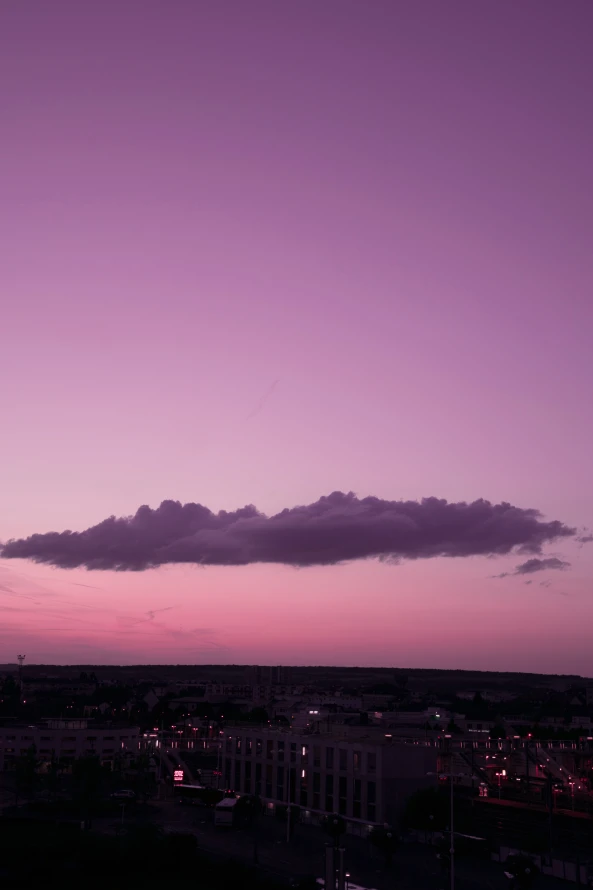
363,776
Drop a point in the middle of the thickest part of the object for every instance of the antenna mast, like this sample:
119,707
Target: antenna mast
21,659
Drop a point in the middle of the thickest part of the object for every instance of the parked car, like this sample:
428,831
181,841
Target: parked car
124,795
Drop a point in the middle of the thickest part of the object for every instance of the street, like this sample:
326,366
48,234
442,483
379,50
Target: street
414,867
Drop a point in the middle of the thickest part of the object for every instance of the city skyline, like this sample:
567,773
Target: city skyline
260,258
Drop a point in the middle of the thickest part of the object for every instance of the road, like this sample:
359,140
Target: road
414,867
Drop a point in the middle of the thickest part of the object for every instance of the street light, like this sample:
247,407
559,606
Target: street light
450,776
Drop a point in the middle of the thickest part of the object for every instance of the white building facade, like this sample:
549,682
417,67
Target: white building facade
66,741
366,778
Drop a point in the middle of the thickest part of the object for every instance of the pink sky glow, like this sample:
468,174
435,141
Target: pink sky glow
257,252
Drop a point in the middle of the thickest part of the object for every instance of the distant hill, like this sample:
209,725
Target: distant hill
417,679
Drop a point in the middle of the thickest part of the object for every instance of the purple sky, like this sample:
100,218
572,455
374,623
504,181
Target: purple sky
257,252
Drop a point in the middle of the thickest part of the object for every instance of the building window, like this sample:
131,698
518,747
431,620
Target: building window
356,759
293,752
227,771
269,749
304,754
371,763
304,788
316,756
280,782
258,747
342,795
343,756
281,751
237,783
316,791
258,788
329,758
356,805
248,745
329,794
269,779
247,788
227,744
371,800
237,745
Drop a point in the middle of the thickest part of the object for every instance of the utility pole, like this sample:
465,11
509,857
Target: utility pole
21,659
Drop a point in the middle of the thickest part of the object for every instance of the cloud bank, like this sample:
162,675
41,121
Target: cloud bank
337,528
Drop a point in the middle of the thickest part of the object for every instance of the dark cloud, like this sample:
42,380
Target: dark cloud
541,565
336,528
545,583
535,565
585,539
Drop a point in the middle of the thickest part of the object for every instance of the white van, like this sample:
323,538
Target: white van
224,812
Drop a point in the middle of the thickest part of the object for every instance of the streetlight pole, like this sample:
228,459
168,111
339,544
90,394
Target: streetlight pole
288,804
452,850
160,744
450,776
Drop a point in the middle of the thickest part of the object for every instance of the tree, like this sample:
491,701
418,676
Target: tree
498,732
522,871
385,840
52,779
26,772
257,715
87,774
144,778
427,810
334,826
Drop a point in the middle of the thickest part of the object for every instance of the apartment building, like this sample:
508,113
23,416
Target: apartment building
362,775
66,740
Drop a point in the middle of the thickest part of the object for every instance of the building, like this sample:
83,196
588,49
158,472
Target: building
361,774
57,686
66,740
265,675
